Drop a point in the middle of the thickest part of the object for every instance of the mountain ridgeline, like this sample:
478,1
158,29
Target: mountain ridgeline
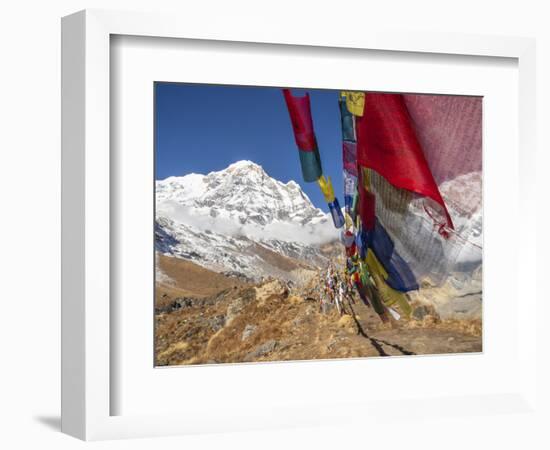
241,222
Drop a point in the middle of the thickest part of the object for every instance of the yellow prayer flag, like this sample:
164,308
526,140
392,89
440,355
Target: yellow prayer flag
389,295
326,188
374,265
355,102
349,221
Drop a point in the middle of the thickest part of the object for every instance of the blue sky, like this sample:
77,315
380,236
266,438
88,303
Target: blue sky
201,128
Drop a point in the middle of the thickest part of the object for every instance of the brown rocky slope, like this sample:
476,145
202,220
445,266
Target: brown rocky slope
202,317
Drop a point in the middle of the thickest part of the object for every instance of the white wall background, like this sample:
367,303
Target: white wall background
30,195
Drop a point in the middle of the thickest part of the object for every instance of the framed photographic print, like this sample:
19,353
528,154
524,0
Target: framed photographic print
253,217
256,260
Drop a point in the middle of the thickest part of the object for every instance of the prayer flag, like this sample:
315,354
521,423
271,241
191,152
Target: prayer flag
348,122
326,188
355,102
299,110
336,213
387,143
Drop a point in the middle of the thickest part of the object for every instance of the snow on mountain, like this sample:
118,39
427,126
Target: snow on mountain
460,295
414,229
463,196
243,193
240,220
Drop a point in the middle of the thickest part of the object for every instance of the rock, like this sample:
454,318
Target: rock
467,307
177,303
420,312
272,288
184,302
248,295
459,297
261,350
295,299
430,320
192,332
237,305
234,309
248,330
216,323
331,344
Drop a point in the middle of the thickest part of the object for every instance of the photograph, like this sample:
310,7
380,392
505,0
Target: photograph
296,224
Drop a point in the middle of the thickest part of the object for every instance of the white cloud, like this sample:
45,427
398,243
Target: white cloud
309,234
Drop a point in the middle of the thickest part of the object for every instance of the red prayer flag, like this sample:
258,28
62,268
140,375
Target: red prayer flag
387,143
350,251
300,115
350,157
448,128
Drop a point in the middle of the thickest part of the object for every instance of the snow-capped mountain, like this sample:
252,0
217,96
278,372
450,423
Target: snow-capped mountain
461,250
243,193
463,197
240,220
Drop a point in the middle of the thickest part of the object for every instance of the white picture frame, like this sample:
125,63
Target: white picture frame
87,320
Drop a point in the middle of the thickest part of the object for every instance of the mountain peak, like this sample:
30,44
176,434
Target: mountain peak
244,164
242,192
228,219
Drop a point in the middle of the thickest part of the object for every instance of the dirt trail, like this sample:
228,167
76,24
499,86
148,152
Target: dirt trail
400,338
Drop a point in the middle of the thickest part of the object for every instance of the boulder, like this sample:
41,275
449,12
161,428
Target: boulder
261,350
248,331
